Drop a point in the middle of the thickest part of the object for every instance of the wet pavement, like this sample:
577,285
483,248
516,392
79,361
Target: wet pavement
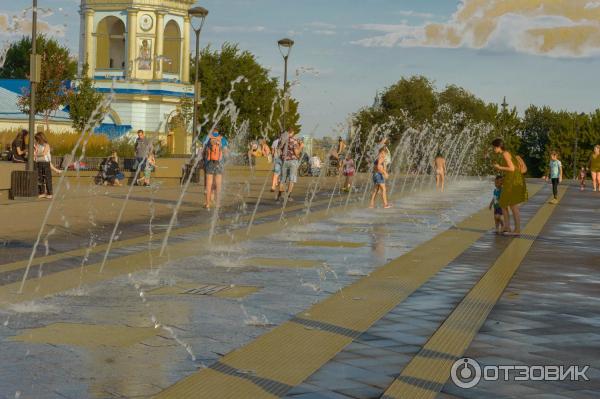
136,334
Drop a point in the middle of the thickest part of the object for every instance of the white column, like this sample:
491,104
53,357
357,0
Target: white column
89,52
158,47
131,41
185,57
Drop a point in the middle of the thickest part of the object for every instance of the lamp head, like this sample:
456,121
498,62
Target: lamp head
198,12
285,43
285,46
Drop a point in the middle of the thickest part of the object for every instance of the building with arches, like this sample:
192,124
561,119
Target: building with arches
140,51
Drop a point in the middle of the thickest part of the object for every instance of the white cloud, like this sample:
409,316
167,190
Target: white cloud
17,25
543,27
238,29
416,14
324,32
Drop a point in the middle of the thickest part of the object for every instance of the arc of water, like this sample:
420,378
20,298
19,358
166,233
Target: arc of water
100,110
217,115
124,204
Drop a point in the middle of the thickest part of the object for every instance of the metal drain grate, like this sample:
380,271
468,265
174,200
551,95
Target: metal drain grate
206,289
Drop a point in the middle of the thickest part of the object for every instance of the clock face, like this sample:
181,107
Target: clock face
146,22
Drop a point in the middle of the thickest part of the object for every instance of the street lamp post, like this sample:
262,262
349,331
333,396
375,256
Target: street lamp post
33,79
576,130
200,13
285,48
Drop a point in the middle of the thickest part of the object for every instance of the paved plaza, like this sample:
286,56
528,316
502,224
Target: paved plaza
327,300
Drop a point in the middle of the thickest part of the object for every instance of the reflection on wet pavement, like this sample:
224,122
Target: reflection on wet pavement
269,279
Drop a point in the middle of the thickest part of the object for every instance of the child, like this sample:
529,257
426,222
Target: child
582,177
43,159
349,170
379,176
498,215
150,163
556,175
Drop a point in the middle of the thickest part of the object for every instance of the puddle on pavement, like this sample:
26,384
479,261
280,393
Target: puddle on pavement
330,244
215,290
283,263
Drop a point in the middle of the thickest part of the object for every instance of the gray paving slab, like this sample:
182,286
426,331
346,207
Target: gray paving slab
207,327
549,313
413,321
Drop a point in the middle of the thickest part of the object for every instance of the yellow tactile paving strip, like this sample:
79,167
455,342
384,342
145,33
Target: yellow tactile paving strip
86,335
428,371
290,353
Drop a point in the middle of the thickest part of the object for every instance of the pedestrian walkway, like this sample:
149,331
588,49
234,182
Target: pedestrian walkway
371,341
397,296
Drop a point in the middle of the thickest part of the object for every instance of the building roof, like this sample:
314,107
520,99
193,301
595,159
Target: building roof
10,110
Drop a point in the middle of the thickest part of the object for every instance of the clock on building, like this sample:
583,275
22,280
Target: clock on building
146,22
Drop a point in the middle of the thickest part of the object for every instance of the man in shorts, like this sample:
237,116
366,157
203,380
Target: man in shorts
291,149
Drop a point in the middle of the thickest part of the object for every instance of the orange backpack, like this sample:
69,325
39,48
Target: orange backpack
214,148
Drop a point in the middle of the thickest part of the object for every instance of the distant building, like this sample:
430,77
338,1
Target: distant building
140,50
11,117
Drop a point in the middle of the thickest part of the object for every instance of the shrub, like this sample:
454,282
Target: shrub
63,143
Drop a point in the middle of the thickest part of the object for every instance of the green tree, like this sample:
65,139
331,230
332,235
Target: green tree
258,97
84,103
57,67
415,95
538,122
462,101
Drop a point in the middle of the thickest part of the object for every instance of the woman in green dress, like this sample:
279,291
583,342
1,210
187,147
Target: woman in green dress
595,168
514,189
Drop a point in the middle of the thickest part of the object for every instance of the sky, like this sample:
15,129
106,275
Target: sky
543,52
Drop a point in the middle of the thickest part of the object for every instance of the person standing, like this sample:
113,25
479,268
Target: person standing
595,168
42,158
141,150
440,172
291,149
582,177
277,164
215,148
514,188
556,175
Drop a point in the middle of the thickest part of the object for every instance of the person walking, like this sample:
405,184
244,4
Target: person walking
348,168
556,175
514,188
215,148
595,168
291,149
42,158
379,176
277,164
440,172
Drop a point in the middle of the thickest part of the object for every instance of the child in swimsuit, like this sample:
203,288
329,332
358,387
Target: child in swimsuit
498,215
582,177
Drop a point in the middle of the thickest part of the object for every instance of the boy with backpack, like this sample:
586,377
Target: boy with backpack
215,146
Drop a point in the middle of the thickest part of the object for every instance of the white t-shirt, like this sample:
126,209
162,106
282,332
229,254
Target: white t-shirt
275,149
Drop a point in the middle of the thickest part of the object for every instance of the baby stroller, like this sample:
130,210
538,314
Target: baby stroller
304,168
333,167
